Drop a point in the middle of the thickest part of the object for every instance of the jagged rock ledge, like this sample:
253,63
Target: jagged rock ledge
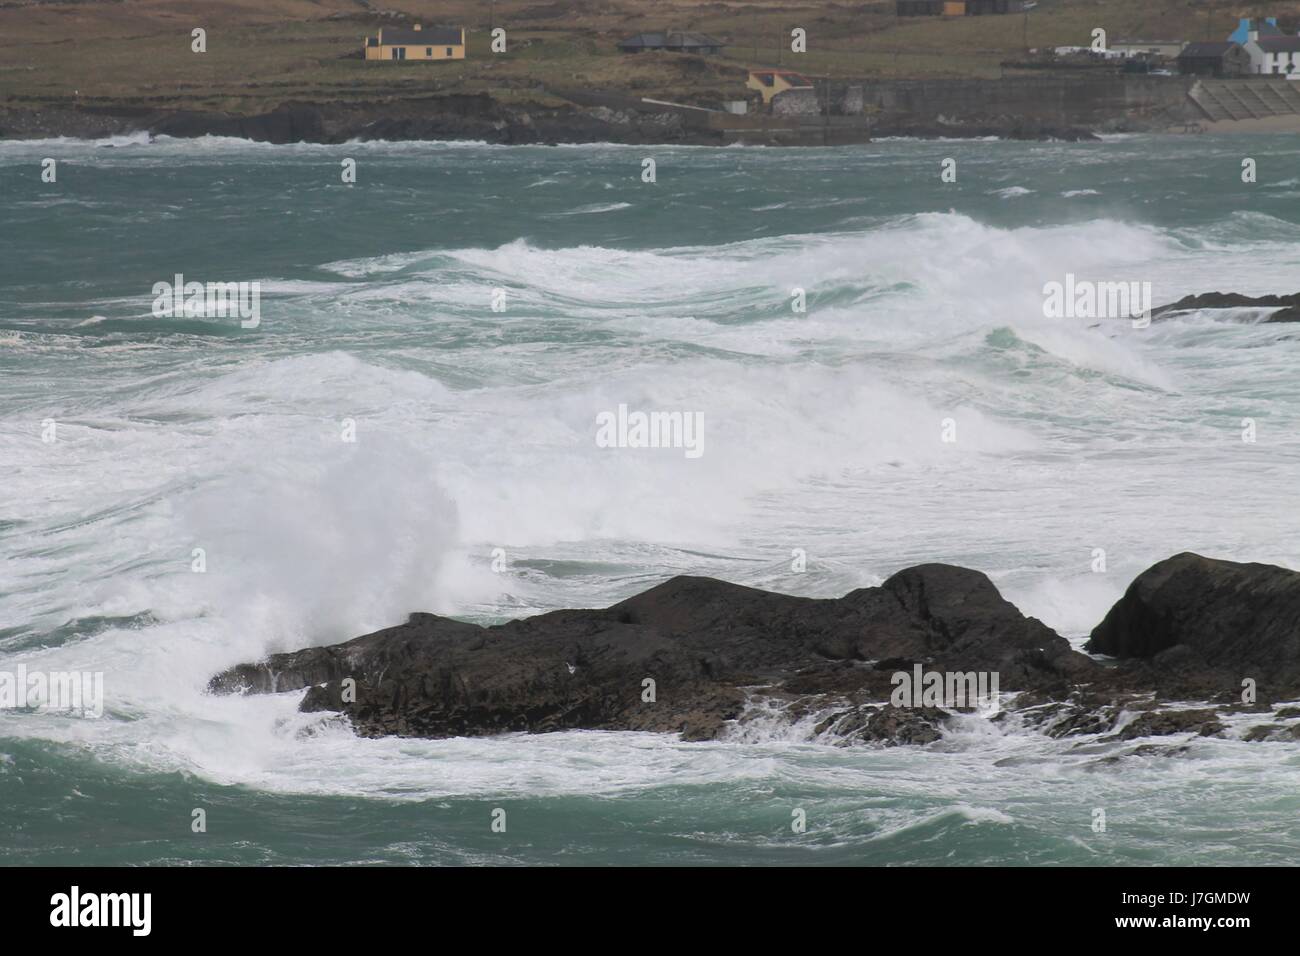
693,655
1286,308
458,116
441,117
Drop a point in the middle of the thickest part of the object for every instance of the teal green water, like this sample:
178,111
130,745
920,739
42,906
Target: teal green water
475,440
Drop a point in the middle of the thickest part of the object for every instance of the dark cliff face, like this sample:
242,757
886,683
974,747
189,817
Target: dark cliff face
478,117
444,117
686,656
453,117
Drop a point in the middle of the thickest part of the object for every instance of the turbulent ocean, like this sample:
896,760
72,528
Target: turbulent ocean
387,441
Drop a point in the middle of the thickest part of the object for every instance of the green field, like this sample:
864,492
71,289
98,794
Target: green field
263,52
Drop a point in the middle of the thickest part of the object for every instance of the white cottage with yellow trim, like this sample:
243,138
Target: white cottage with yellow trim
438,43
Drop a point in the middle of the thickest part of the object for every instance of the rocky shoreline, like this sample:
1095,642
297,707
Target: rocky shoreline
1194,641
1286,307
466,117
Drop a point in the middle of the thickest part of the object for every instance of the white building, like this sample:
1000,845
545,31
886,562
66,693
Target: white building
1274,56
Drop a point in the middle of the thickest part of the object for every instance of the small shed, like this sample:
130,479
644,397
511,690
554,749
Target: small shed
1219,58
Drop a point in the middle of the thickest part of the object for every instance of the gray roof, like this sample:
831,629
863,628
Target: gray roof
1209,48
430,36
1279,44
644,40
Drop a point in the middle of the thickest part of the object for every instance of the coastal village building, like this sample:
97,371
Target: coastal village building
771,82
673,41
1272,52
1218,59
1248,30
1275,56
438,43
1165,49
954,8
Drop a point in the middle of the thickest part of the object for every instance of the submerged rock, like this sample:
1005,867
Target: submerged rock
1275,732
1202,722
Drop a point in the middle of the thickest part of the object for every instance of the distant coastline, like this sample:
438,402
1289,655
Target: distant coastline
1007,109
327,124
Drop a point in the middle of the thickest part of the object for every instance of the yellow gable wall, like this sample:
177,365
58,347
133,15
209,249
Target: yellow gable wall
779,85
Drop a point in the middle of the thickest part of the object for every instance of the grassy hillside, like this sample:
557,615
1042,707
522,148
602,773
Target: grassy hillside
262,52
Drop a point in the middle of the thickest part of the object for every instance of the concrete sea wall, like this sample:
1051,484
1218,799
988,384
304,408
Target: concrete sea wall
1099,102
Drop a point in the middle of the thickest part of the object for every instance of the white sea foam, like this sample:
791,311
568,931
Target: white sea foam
475,430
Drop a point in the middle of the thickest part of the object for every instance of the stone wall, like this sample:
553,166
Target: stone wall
1095,101
844,100
797,103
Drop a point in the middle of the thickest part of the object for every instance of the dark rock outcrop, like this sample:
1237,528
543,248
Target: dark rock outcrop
682,657
1199,627
1287,306
288,123
446,115
891,726
695,655
436,117
1202,722
1275,732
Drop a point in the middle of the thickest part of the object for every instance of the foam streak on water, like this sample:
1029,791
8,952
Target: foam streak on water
476,430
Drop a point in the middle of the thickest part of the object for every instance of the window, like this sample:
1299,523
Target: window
449,51
428,51
399,53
